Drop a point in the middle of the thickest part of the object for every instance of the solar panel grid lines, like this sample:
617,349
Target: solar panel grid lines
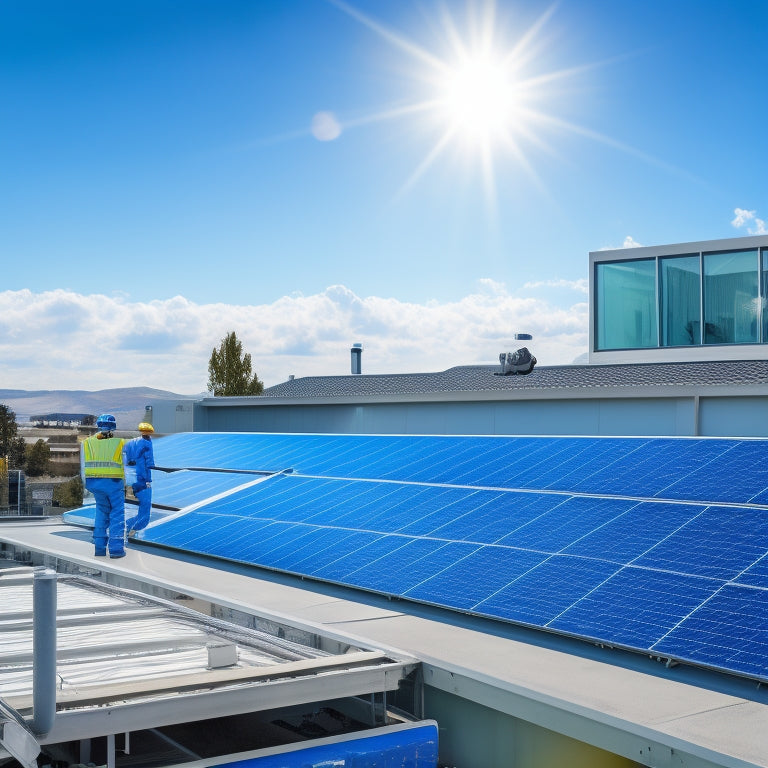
728,631
472,514
338,454
401,452
587,463
504,461
289,546
688,616
756,575
646,472
738,474
546,590
629,542
272,503
409,512
639,528
324,448
180,489
426,467
424,557
687,460
697,546
556,469
564,522
405,455
237,486
464,583
635,607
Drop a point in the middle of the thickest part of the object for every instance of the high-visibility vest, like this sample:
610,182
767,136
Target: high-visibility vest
103,458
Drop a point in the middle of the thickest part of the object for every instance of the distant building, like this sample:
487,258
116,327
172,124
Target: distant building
63,420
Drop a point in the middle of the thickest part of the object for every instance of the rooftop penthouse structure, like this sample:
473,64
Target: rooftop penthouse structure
680,303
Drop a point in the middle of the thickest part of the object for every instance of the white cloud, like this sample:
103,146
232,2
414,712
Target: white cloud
580,286
629,242
742,216
64,340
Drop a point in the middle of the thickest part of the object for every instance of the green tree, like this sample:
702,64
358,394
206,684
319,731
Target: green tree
8,429
38,458
17,453
229,370
69,494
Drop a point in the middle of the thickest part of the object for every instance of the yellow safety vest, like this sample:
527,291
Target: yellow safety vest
103,458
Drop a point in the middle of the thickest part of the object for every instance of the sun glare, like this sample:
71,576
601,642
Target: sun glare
478,99
482,95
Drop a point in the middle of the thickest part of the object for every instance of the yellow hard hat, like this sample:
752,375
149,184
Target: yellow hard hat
145,426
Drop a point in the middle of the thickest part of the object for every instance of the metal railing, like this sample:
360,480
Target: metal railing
25,509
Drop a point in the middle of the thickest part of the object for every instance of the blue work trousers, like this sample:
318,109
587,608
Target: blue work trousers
109,525
144,497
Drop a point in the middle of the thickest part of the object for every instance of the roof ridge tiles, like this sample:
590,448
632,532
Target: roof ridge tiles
481,378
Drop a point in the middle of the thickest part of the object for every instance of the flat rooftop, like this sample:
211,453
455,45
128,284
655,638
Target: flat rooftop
620,702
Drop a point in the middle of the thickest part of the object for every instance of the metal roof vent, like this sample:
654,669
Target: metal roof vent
521,361
357,358
221,655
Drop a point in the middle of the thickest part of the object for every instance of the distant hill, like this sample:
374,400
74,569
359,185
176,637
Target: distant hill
126,404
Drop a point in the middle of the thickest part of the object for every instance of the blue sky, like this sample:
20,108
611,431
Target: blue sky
312,173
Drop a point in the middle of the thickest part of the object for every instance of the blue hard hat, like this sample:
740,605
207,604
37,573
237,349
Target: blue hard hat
106,422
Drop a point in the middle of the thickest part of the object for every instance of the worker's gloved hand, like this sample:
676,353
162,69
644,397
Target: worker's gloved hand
136,487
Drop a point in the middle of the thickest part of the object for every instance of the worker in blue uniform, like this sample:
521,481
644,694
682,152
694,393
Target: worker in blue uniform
138,453
102,463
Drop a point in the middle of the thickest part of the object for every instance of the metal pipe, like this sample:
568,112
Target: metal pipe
357,358
43,650
110,750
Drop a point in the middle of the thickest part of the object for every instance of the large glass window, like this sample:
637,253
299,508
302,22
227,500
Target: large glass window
626,305
731,308
680,301
764,294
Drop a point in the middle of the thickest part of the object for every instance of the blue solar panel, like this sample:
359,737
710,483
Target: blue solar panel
543,593
756,575
653,544
180,489
674,468
719,543
728,631
635,607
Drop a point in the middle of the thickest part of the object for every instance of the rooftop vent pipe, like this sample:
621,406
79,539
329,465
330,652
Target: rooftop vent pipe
43,650
357,358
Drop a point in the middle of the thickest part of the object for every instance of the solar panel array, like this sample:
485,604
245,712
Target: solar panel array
657,545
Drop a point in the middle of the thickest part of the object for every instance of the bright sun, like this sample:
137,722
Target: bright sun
478,96
478,100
